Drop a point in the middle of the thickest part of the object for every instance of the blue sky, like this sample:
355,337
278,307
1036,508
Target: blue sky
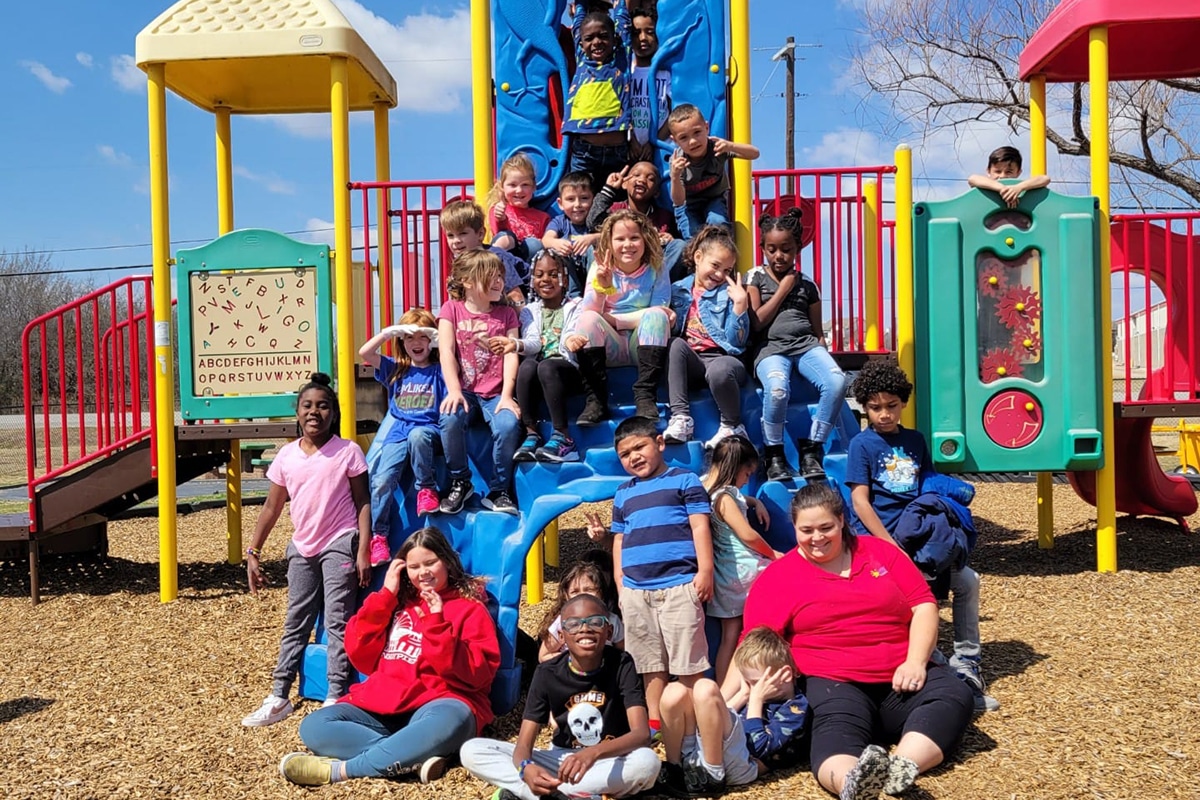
76,176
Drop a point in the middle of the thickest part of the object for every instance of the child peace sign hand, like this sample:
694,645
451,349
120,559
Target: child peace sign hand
596,529
617,179
737,292
603,277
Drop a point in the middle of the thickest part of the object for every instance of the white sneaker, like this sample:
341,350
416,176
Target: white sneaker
679,429
724,432
329,701
273,709
432,769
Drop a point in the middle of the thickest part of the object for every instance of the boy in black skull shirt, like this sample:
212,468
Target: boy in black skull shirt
596,698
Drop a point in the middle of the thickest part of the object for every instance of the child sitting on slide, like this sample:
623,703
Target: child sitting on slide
516,225
699,170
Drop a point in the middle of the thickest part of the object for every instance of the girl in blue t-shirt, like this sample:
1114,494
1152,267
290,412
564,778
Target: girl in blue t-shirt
415,391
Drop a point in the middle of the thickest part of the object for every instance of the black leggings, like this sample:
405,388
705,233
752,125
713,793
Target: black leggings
724,375
846,716
552,380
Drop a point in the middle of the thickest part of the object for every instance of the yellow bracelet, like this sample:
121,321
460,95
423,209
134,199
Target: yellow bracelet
603,289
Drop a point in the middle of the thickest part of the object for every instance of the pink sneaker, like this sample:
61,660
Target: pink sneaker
428,502
380,552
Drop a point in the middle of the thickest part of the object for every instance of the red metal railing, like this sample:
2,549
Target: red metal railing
94,352
408,246
411,249
1157,335
836,258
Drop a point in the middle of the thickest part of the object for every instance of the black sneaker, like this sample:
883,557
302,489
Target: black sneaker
500,501
528,447
671,781
701,784
460,491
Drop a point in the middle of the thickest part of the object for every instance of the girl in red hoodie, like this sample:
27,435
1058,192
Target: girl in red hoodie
429,649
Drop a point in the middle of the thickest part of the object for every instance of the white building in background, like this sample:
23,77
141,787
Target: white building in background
1140,326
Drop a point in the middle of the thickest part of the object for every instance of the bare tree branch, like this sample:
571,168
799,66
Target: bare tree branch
944,64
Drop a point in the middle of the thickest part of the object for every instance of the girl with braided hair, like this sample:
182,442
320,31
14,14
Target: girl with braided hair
786,311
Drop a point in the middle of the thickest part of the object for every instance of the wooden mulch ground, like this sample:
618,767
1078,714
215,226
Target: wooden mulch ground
106,693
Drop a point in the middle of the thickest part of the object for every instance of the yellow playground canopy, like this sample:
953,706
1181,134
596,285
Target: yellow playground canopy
262,56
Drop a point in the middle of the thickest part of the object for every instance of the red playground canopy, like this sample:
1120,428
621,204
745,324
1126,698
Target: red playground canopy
1147,39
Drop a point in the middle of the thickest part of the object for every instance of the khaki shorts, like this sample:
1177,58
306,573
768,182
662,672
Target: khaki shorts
664,629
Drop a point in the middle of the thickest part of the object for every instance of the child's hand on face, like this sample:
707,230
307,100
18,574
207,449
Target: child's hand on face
771,684
501,345
391,581
575,342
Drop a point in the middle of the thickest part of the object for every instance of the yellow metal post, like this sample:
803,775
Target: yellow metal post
164,359
551,537
383,172
481,96
739,129
905,311
339,106
874,340
535,575
1106,477
1037,166
233,467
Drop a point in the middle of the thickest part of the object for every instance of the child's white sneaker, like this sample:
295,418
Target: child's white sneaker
273,709
679,429
724,432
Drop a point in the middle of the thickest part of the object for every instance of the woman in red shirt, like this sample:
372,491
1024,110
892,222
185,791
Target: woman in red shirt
862,625
429,649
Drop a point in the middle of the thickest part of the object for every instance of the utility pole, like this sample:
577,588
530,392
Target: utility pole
787,54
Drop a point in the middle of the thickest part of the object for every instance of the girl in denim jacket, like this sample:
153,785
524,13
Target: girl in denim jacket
712,329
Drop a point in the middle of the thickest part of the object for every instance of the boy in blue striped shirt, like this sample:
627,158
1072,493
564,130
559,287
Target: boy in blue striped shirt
662,562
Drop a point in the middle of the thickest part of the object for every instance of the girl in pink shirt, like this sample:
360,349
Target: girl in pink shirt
328,558
475,327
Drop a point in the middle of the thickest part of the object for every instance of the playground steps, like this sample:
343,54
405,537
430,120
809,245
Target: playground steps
495,545
70,515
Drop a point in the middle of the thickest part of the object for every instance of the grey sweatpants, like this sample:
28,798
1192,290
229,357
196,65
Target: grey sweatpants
723,374
492,762
329,576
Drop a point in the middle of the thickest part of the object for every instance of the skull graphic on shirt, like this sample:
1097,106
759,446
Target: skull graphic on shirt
586,724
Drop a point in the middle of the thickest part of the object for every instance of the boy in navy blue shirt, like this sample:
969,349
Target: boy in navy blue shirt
568,233
662,561
886,468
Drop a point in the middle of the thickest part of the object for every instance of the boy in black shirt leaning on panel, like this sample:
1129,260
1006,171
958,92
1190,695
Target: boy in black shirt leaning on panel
595,696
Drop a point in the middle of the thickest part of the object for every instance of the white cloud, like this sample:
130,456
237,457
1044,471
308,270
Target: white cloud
53,82
271,182
430,52
847,147
318,231
85,59
125,73
114,156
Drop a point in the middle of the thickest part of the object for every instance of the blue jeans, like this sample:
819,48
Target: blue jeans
506,438
385,746
599,161
818,368
419,450
691,217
